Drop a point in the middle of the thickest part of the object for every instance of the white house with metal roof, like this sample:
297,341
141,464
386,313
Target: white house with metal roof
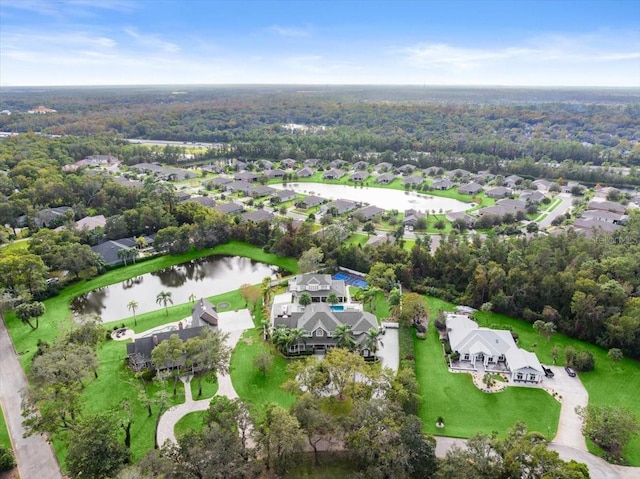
492,347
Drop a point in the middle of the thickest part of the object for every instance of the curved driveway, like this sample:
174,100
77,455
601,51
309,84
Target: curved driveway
34,455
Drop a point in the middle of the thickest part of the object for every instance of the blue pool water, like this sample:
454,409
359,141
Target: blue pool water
337,307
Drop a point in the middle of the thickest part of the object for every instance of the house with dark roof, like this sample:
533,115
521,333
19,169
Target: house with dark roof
241,186
359,176
380,239
513,180
275,173
385,178
499,192
311,162
220,181
109,250
607,206
285,195
257,216
411,218
413,180
204,313
531,197
368,212
543,185
310,201
341,206
202,200
443,184
305,172
406,169
360,165
514,205
603,215
139,351
458,173
229,208
383,167
259,191
247,176
48,217
288,163
319,287
470,188
469,220
338,163
333,174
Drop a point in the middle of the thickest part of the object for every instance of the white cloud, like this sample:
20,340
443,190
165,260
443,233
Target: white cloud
152,41
295,32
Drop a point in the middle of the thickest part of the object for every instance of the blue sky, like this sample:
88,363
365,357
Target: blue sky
111,42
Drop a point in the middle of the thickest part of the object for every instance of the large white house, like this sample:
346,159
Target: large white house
492,347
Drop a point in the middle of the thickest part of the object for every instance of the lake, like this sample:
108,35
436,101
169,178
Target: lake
385,198
201,277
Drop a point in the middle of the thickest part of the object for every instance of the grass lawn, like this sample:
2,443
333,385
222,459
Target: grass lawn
4,432
607,385
467,410
251,385
194,421
18,245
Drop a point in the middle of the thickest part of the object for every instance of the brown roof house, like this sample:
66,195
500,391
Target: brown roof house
204,313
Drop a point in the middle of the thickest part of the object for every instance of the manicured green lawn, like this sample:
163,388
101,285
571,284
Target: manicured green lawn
4,432
19,245
467,410
194,421
607,385
251,385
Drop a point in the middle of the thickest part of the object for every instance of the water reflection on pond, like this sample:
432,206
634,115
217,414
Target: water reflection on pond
200,277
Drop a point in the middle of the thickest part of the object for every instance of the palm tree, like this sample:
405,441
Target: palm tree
132,253
333,298
279,337
132,306
395,301
192,298
123,254
266,292
369,296
164,298
373,340
294,336
304,299
344,337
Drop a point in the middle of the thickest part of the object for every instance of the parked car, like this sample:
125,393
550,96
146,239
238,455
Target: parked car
570,371
547,372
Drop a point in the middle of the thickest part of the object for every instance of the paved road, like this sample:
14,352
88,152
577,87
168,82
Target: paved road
34,454
566,203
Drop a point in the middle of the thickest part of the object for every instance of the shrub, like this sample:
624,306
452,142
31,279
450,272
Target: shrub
7,461
584,361
440,323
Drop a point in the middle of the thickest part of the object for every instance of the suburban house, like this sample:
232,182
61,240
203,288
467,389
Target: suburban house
406,169
499,192
411,218
288,163
109,250
359,176
310,201
591,226
257,216
220,181
377,240
259,191
275,173
385,178
360,165
341,206
239,185
469,220
513,180
543,185
207,201
285,195
606,216
319,287
413,180
305,172
492,347
470,188
458,173
514,205
384,166
607,206
531,197
204,313
444,184
333,174
139,351
229,208
368,212
247,176
311,162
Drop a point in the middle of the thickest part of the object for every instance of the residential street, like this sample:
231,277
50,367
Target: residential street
34,454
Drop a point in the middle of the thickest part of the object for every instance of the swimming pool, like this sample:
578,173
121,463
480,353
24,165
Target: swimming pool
337,307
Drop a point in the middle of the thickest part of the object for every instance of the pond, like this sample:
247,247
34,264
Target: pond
201,277
385,198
